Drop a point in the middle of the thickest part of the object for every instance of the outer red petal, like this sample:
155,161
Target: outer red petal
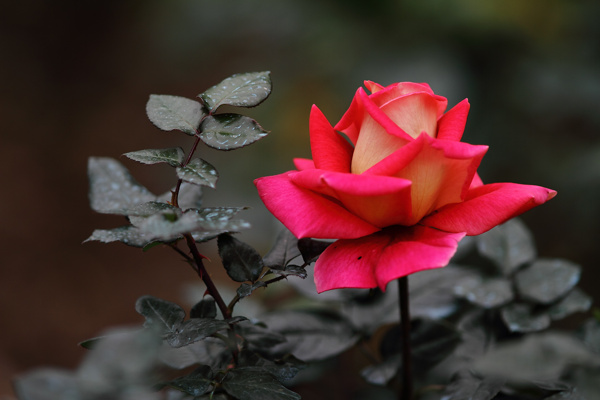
452,124
309,214
487,206
377,259
304,163
330,150
379,200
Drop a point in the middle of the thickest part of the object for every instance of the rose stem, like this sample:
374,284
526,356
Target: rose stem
405,321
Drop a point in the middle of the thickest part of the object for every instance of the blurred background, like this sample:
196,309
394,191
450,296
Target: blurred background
76,75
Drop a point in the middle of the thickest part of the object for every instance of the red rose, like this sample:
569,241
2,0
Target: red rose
399,195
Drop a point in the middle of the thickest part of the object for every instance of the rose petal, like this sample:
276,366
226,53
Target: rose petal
308,214
377,259
415,113
373,87
452,124
399,89
304,163
330,150
487,206
379,200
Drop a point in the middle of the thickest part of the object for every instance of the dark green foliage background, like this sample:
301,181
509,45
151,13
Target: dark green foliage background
76,76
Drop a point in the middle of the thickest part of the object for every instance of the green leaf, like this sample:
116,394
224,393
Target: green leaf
230,131
575,301
128,235
522,318
311,249
253,385
160,313
199,172
194,330
47,384
210,351
196,383
311,334
112,189
245,289
240,90
490,293
546,280
173,112
173,156
241,261
258,337
283,251
205,308
294,270
591,334
468,386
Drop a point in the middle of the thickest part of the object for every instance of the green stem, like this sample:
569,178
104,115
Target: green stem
407,384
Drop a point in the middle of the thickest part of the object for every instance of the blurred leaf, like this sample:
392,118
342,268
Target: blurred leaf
47,384
240,90
252,385
128,235
210,351
205,308
112,189
543,356
508,245
546,280
571,394
241,261
490,293
311,335
245,289
591,334
468,386
521,318
230,131
194,330
575,301
311,248
282,370
174,112
199,172
284,250
196,383
382,373
258,337
173,156
160,313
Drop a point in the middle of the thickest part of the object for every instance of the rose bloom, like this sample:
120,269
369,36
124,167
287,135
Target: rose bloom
398,195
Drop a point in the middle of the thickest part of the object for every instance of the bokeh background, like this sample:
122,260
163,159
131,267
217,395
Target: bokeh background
75,77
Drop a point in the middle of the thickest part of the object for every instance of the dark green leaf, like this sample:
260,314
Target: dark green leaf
151,208
230,131
174,112
194,330
205,308
509,245
209,351
295,270
521,318
240,90
47,384
468,386
128,235
591,334
253,385
546,280
575,301
196,384
311,335
240,260
160,313
489,293
245,289
283,251
311,249
258,337
112,189
382,373
173,156
199,172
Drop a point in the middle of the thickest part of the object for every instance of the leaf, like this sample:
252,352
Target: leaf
546,280
173,112
128,235
521,318
199,172
240,90
311,335
258,337
591,334
196,383
163,314
252,385
294,270
151,208
284,250
205,308
488,294
468,386
47,384
382,373
240,260
230,131
575,301
245,289
112,189
194,330
173,156
509,245
311,249
209,351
